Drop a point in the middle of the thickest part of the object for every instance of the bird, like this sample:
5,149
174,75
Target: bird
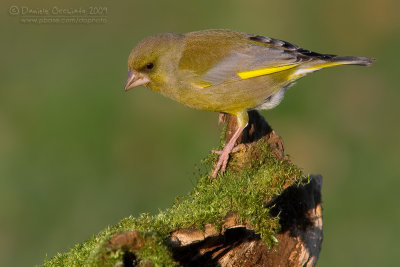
225,71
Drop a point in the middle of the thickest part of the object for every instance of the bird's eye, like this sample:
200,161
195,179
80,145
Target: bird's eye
150,66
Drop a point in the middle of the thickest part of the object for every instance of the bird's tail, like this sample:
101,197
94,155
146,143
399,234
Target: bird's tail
337,61
329,61
362,61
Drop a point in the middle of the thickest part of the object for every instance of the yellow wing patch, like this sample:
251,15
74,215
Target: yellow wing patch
264,71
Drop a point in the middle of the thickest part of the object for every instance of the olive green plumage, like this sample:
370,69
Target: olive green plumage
224,71
199,69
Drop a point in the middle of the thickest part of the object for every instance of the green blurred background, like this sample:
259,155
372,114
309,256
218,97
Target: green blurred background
77,153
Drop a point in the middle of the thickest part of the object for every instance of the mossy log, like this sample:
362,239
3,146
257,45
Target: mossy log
262,212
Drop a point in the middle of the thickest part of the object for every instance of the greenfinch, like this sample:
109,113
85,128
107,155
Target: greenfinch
224,71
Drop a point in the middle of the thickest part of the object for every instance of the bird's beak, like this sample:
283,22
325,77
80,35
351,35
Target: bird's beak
135,79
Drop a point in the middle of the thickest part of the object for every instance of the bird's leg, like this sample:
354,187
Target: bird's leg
224,153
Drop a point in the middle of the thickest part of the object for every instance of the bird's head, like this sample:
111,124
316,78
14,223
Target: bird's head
152,60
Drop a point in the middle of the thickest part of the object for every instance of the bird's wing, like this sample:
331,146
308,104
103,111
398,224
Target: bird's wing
252,62
223,57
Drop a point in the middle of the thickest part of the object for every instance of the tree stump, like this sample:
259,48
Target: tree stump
262,212
236,244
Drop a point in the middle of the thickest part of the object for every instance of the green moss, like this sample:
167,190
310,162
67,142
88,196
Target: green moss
244,192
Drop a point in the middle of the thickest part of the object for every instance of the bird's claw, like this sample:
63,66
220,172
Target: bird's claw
223,159
222,162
